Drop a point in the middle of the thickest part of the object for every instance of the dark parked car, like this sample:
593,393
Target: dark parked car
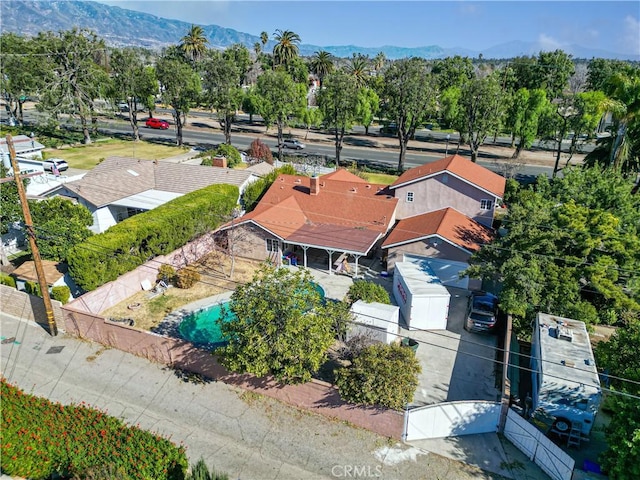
482,312
157,123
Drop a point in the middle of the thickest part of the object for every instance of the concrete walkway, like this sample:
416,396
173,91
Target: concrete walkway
246,435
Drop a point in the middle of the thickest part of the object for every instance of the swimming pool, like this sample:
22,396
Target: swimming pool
202,329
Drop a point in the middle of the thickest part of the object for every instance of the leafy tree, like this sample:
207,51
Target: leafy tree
239,56
78,76
194,43
338,103
601,70
279,98
571,248
251,102
619,357
384,375
449,106
10,209
286,336
59,225
367,107
286,48
453,71
181,87
408,97
368,292
231,153
553,71
223,86
528,106
321,64
298,70
480,110
260,150
132,82
310,117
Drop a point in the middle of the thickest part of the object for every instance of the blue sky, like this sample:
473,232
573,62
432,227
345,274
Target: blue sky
606,25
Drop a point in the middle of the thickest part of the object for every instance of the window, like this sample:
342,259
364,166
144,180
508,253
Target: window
272,245
409,196
486,204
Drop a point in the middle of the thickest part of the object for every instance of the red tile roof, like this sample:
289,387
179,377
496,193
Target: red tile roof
447,223
347,214
461,167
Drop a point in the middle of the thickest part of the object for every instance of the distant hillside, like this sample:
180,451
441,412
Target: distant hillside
122,27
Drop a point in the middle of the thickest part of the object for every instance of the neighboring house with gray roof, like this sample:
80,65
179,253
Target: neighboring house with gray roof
121,187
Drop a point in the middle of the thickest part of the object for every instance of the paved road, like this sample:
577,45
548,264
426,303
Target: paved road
245,435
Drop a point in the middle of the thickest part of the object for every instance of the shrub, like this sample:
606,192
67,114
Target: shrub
32,288
254,191
367,292
43,439
7,280
61,293
230,152
200,471
166,274
187,277
138,239
260,150
383,375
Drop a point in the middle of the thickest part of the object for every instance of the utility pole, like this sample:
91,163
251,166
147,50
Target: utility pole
44,287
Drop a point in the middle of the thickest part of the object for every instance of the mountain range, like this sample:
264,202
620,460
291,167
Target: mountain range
121,27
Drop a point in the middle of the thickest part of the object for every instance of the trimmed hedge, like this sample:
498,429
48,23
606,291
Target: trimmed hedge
61,293
136,240
7,280
256,190
42,439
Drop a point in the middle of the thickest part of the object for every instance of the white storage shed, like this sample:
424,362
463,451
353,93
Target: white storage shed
377,321
421,296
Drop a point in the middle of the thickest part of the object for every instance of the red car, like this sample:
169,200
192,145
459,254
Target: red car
157,123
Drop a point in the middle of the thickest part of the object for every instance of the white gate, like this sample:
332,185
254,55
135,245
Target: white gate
549,457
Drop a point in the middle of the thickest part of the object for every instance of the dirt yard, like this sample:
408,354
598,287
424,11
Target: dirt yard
214,270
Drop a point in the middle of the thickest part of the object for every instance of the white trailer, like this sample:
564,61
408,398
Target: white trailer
421,296
375,320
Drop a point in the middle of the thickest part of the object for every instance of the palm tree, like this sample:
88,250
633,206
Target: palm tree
194,43
321,64
287,47
264,38
359,68
257,48
378,61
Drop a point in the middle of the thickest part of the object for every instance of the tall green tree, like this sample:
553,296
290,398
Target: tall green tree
194,43
553,71
409,96
284,335
367,108
358,67
571,248
279,98
222,84
479,113
528,106
338,103
132,82
78,75
59,224
453,71
180,88
286,48
321,64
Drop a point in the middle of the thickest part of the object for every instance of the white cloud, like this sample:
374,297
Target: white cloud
631,36
548,43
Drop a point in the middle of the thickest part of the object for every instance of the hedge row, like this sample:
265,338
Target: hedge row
256,190
7,280
42,439
127,245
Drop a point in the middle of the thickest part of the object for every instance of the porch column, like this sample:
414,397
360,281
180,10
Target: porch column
305,248
355,274
330,252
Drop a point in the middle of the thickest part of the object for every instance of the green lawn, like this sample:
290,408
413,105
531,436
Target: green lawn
380,178
88,156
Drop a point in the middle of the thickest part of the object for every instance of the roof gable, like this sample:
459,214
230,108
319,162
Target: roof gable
459,166
447,223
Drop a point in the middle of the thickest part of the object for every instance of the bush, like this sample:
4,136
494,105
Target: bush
166,274
258,149
43,439
187,277
382,375
367,292
254,191
61,293
138,239
230,152
32,288
200,471
7,280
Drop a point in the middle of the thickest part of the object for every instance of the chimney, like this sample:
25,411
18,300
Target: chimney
220,162
315,186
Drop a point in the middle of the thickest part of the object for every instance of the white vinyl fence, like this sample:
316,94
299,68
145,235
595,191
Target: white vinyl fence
557,464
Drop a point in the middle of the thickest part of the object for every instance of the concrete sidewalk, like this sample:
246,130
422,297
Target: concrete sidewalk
241,433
